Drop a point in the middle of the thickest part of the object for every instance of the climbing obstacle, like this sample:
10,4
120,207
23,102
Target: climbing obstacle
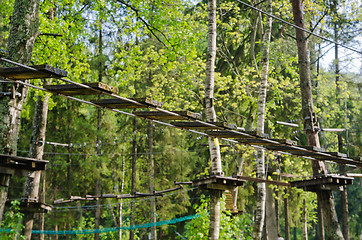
218,183
21,163
320,183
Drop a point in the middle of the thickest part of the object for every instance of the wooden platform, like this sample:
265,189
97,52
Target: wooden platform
33,207
158,115
329,182
204,126
97,88
21,73
120,104
23,163
218,183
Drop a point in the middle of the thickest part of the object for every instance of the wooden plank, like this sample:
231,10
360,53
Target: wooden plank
256,141
227,134
97,88
16,162
158,115
318,183
218,182
203,126
338,154
33,207
120,104
21,73
285,141
313,148
273,182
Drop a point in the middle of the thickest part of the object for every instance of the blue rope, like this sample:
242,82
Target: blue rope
103,230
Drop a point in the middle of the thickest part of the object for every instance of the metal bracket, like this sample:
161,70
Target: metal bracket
3,94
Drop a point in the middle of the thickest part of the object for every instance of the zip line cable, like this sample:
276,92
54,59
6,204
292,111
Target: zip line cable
299,28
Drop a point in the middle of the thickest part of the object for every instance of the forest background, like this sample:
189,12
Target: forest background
157,49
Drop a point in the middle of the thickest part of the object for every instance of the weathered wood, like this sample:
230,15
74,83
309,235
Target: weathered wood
329,182
33,207
228,134
119,103
204,126
256,141
218,182
21,73
273,182
286,141
16,162
97,88
158,115
338,154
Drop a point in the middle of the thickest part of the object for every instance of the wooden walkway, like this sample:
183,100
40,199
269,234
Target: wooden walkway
180,119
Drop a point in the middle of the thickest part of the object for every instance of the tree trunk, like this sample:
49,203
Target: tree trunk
152,182
271,226
304,220
99,141
211,117
23,32
286,217
325,198
122,188
32,181
260,171
134,168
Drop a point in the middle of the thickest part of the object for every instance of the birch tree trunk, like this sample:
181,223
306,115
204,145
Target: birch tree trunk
32,181
211,117
152,182
134,169
260,171
325,198
24,30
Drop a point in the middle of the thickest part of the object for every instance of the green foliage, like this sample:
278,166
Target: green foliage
230,226
12,221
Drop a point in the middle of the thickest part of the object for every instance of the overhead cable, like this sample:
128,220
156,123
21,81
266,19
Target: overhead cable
302,29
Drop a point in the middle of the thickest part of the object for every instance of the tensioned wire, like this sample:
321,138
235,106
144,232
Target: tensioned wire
299,28
105,230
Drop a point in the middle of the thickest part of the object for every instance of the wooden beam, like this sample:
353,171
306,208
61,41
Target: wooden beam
158,115
16,162
204,126
21,73
97,88
120,104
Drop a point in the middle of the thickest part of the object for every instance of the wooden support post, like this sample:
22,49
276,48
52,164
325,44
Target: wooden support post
286,215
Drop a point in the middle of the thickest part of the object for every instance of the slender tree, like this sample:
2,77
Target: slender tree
210,113
261,189
325,198
32,181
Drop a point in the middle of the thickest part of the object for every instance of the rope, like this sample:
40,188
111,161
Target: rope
104,230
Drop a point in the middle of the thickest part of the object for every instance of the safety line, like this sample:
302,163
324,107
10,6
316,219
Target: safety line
295,26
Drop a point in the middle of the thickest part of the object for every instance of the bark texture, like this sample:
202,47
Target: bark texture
270,216
152,182
214,146
325,198
134,169
24,30
260,171
32,181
